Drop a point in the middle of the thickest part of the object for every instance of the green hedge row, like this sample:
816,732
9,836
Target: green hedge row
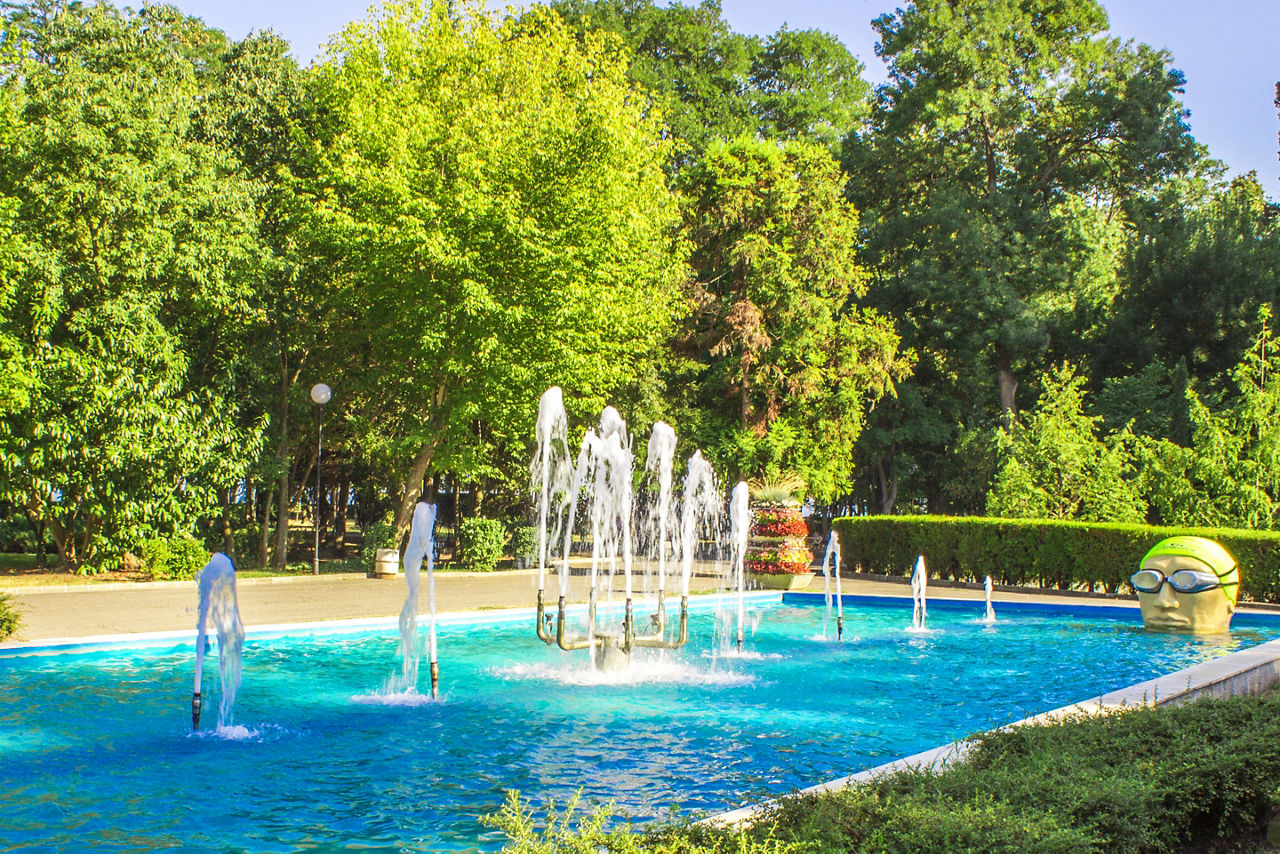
1044,553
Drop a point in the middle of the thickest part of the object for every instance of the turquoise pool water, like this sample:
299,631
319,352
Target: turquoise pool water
97,753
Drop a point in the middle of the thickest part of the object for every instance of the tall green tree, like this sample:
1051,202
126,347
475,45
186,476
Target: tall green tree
991,179
497,193
716,84
130,232
790,361
1053,464
1199,262
1229,473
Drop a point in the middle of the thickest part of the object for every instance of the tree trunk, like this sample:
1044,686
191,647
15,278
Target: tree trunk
228,535
413,488
888,485
264,535
1008,385
340,516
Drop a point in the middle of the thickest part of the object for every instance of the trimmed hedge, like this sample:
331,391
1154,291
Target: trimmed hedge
1044,553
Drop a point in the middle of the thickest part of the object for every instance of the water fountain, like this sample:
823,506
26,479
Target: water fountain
919,590
421,544
833,549
739,528
990,616
602,476
216,583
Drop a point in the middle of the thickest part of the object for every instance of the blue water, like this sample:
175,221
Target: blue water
96,749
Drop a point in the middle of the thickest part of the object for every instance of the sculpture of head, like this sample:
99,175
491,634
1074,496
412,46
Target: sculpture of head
1187,584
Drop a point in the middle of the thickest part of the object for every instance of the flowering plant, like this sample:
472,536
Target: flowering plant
779,522
789,560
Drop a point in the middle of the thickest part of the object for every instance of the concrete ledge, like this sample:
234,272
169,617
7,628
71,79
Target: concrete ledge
1245,673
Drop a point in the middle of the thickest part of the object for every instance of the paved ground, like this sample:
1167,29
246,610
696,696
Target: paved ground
113,609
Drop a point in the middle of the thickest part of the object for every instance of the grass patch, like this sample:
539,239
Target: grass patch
16,562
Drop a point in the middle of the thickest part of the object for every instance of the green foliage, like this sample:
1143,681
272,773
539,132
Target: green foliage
1230,474
713,83
1149,779
524,543
988,179
496,197
174,558
1048,553
1054,466
480,542
10,616
793,360
567,832
130,235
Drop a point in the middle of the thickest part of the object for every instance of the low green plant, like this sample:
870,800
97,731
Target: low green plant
597,832
480,543
524,544
177,557
10,616
376,535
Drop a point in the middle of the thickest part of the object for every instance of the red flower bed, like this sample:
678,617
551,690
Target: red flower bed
779,522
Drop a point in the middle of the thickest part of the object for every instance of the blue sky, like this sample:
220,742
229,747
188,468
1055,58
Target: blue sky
1225,48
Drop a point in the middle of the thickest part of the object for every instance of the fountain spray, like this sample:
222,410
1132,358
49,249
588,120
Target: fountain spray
739,525
216,583
833,550
420,545
919,591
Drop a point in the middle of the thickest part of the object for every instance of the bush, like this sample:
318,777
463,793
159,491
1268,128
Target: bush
1049,553
9,616
1148,779
177,557
480,543
524,545
376,535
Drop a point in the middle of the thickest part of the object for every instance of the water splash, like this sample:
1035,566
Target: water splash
700,506
739,527
833,550
990,616
421,544
216,583
919,593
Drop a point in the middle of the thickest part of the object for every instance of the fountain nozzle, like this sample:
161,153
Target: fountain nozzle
197,703
435,680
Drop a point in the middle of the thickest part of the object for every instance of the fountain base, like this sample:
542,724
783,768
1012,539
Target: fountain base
608,655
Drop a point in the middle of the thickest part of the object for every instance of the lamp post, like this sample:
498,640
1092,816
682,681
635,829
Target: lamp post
320,394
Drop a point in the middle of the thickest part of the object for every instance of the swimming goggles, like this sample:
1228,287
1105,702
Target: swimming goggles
1183,581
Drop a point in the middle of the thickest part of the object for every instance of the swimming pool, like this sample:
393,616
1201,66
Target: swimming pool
97,750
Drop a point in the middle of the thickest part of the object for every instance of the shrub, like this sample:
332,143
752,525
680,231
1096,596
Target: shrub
524,545
9,616
376,535
1050,553
480,542
177,557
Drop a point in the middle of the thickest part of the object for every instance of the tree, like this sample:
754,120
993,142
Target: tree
496,194
1053,465
1200,260
1229,475
715,84
786,351
129,232
991,178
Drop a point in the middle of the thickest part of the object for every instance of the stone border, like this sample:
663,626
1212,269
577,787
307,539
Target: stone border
1239,674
